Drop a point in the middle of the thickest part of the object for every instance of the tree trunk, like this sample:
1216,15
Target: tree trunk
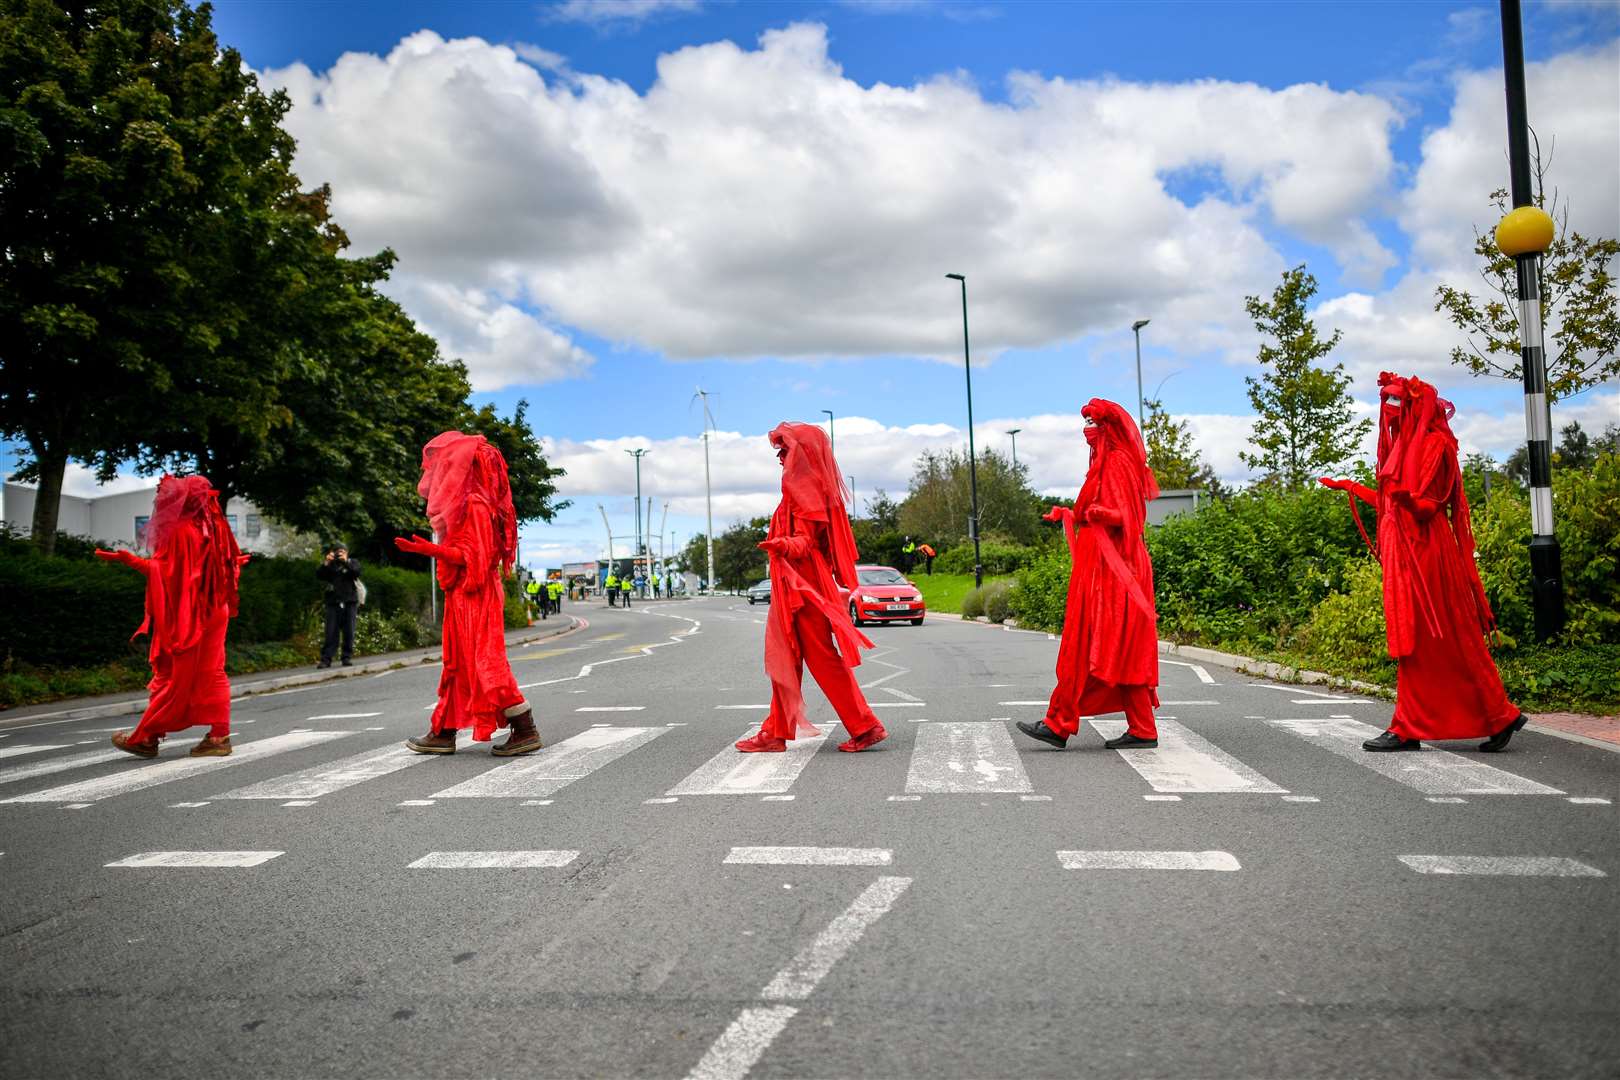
52,465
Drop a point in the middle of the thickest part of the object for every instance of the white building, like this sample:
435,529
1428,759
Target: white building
120,520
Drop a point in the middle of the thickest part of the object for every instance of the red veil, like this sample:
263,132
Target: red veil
457,467
813,489
1118,479
197,563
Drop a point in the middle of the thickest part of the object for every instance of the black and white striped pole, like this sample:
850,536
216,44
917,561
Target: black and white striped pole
1525,234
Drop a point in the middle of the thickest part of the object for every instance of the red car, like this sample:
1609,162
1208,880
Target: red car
885,595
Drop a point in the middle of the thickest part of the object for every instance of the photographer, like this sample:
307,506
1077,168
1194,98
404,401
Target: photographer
342,576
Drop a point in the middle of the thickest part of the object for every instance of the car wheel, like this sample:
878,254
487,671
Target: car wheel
750,601
854,613
916,622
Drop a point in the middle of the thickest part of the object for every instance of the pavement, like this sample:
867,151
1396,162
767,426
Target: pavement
1256,898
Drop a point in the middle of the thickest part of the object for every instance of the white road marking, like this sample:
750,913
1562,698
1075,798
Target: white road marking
1161,798
546,772
1293,690
1034,798
146,776
901,694
1331,701
1189,703
742,706
321,780
964,757
1147,860
897,704
1042,703
733,773
60,764
1430,771
1185,761
742,1043
796,981
489,860
174,859
810,856
777,798
537,802
186,805
299,802
905,798
345,715
1300,798
19,751
1197,669
78,806
415,802
610,708
659,802
1501,865
1588,800
1444,799
376,729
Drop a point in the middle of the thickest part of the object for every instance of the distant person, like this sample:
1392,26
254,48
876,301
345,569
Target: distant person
812,552
469,505
555,590
626,587
342,576
1436,616
669,586
191,589
1108,660
611,586
910,554
532,590
928,554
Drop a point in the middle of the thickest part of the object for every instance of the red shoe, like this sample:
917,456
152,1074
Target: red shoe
762,743
865,740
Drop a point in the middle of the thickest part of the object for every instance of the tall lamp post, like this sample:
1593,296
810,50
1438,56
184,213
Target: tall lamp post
1136,328
832,435
973,466
1014,433
1525,233
636,555
708,490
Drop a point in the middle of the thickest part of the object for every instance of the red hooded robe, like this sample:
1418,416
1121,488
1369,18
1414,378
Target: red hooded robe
470,508
1109,658
191,590
812,552
1435,612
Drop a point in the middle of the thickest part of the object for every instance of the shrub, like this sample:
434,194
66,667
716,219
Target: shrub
517,613
1563,677
996,600
67,612
275,596
1345,632
973,604
996,558
391,590
1038,598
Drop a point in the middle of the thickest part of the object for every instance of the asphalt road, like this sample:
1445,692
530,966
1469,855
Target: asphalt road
1258,898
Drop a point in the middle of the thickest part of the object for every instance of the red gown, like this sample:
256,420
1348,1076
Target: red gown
1109,657
191,589
1435,611
811,552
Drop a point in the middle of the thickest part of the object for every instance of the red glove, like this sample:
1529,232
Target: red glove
1337,485
1102,515
125,557
772,546
418,546
1058,513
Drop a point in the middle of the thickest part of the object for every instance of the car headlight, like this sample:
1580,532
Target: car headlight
870,600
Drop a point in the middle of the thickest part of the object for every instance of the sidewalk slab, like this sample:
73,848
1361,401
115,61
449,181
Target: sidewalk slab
265,681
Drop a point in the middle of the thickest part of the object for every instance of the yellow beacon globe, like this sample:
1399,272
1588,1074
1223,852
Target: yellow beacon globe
1528,230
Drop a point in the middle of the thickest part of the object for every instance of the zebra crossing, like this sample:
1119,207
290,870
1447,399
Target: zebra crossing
944,758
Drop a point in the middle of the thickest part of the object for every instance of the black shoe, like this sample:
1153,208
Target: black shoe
1039,730
1391,741
1498,742
324,664
348,663
1128,741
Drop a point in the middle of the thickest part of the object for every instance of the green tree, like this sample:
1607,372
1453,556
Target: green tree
1580,308
1172,454
1304,426
937,507
738,562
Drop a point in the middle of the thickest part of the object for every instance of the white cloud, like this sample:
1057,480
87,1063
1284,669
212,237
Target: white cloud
758,202
80,482
619,12
501,344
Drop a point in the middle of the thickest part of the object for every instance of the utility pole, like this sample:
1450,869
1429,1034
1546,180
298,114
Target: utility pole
1136,328
973,465
635,555
1525,233
708,491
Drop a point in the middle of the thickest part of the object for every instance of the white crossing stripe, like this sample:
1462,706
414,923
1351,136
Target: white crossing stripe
731,772
1430,771
60,764
1023,703
312,783
742,1043
1501,865
742,706
810,856
1147,860
546,772
19,751
1189,703
1588,800
146,776
489,860
1197,669
344,715
1331,701
181,859
973,757
610,708
897,704
1185,761
796,981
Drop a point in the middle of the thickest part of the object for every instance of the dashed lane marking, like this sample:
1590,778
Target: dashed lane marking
1148,860
193,859
1501,865
809,856
492,860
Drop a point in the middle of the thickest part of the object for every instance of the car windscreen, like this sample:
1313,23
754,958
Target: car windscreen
882,575
766,585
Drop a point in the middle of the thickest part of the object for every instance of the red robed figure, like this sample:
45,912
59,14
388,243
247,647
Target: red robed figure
812,552
1435,612
469,505
1109,658
191,591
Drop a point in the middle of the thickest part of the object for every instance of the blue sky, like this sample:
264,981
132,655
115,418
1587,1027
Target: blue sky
762,198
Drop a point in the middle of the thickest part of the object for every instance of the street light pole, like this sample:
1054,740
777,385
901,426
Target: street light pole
708,490
973,466
636,555
1136,328
1525,233
1014,433
832,434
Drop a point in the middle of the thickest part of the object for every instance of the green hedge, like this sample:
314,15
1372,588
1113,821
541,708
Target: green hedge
996,558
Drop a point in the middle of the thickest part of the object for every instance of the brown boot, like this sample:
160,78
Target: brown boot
120,739
212,747
521,738
434,742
